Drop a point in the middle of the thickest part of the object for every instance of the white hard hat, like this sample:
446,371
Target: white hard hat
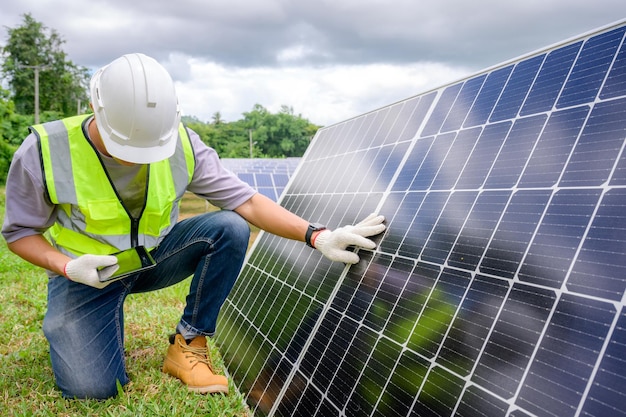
136,109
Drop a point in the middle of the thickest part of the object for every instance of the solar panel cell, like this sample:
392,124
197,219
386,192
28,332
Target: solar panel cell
553,148
478,229
403,386
615,83
600,267
549,82
476,402
514,153
455,160
489,94
470,328
462,104
432,323
558,237
600,143
590,69
516,89
482,156
566,356
603,398
418,232
439,394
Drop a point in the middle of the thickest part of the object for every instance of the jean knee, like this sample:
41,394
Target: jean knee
101,390
242,230
83,366
234,227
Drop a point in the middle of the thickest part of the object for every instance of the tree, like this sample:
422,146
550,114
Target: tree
279,135
8,123
33,49
217,118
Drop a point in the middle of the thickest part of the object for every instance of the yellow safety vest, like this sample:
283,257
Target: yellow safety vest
91,216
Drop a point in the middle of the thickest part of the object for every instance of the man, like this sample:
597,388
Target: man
83,188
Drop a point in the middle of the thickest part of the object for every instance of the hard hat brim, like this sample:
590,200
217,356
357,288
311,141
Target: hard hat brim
138,155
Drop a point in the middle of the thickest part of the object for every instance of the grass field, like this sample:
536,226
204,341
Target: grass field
26,381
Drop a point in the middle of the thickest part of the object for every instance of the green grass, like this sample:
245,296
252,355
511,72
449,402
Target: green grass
27,385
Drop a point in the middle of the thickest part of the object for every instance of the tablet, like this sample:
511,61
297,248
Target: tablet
131,261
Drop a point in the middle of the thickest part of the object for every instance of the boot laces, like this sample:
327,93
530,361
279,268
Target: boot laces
197,355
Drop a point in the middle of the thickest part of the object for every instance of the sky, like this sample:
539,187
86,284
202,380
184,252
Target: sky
329,60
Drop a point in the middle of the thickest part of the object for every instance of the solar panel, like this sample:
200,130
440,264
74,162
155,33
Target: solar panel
269,176
498,288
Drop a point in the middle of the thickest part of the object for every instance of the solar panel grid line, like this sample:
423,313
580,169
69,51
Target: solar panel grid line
249,329
542,337
543,254
459,111
357,377
260,294
480,227
549,150
516,89
324,394
584,82
307,343
532,356
467,331
550,79
599,359
405,344
435,354
355,335
401,165
564,285
381,339
570,387
446,334
396,363
517,350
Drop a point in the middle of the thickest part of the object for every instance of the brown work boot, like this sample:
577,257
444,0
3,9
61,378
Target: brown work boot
191,363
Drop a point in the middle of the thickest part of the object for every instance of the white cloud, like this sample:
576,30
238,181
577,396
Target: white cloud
324,95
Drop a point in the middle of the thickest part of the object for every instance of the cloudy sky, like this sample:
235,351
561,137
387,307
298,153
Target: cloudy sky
328,59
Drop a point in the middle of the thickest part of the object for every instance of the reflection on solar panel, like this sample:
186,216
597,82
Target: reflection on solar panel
499,286
268,176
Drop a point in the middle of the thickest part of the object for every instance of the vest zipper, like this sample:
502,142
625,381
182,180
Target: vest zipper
134,231
134,222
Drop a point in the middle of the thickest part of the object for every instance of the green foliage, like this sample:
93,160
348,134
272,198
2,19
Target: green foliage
281,134
6,154
12,131
62,84
260,134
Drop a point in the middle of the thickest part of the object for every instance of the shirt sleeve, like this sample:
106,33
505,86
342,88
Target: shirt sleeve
27,209
213,182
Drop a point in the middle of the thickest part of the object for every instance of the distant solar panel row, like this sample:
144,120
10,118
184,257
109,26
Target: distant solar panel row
269,176
499,286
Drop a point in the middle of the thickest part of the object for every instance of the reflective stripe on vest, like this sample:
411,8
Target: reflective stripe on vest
91,218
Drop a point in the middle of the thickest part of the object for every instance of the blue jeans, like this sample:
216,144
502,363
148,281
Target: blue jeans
85,326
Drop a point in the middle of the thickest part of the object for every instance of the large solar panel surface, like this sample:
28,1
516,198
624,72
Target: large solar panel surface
498,288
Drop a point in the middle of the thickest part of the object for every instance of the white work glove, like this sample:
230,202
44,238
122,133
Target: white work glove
84,269
333,244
